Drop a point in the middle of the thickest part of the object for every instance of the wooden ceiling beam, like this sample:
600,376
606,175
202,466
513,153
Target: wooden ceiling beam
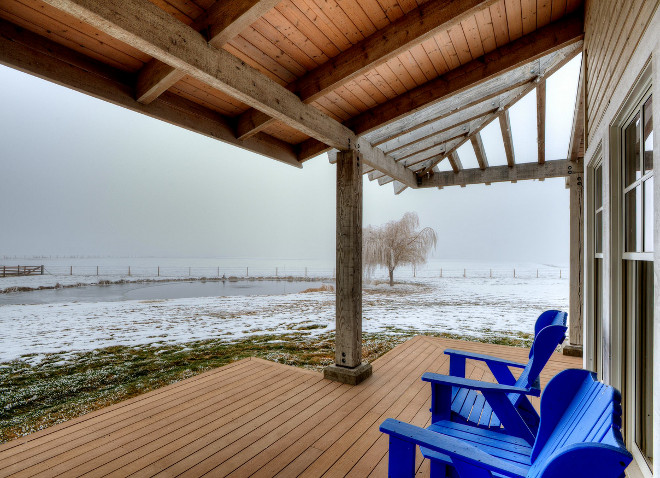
507,137
41,57
152,30
497,174
479,150
416,26
524,50
540,119
224,20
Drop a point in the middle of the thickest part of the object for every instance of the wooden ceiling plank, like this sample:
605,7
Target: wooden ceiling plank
486,31
455,162
525,50
540,120
384,45
495,174
448,50
479,150
543,13
277,38
507,138
500,25
558,9
59,64
472,35
223,21
514,18
432,50
528,16
460,43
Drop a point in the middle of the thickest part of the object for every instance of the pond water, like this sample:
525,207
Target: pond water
156,290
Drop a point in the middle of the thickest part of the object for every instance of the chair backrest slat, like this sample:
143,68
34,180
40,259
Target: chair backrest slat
577,411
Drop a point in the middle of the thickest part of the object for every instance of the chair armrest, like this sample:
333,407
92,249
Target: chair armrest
461,382
483,358
454,448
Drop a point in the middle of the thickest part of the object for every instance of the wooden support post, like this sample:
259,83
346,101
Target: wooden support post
576,274
348,366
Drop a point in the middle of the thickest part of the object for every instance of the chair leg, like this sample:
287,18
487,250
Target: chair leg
401,462
439,470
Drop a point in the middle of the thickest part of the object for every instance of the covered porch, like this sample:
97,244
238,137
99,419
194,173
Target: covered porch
256,418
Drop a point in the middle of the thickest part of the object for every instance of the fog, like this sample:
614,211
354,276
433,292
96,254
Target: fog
79,176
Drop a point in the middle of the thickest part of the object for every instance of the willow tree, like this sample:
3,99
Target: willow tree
397,243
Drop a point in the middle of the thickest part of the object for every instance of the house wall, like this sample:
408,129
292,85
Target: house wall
622,41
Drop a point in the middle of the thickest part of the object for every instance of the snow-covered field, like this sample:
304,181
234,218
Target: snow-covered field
471,306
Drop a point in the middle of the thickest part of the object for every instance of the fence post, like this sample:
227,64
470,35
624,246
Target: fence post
188,271
42,269
537,273
441,272
97,270
560,273
4,271
491,273
464,273
71,271
129,271
514,273
218,271
276,272
305,271
158,271
247,272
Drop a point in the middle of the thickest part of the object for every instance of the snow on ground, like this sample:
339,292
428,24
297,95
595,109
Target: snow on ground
502,306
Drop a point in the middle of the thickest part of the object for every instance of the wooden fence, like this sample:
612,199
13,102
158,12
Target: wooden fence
22,270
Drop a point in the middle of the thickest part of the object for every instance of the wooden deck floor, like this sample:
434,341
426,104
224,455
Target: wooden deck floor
253,418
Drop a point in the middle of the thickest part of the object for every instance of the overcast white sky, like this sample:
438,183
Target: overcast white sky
79,176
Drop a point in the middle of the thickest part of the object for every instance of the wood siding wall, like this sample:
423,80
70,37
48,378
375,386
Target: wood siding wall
613,30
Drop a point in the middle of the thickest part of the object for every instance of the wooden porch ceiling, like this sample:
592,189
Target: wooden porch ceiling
405,81
256,418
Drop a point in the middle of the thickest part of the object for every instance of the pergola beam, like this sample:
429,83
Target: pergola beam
479,151
41,57
497,174
507,138
413,28
155,32
455,162
528,48
224,20
540,119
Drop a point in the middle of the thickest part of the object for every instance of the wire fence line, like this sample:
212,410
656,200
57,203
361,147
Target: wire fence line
219,272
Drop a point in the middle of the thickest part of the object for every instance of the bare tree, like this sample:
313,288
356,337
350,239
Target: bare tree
397,243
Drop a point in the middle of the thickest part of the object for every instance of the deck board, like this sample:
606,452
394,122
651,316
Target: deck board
255,418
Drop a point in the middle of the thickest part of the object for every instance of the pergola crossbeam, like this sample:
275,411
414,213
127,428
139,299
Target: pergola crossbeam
495,174
507,137
479,151
540,119
455,161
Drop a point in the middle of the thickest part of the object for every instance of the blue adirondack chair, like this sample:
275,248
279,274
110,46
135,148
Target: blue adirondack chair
579,436
469,404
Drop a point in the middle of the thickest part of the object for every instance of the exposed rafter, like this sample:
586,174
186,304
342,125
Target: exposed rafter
479,151
517,53
221,22
540,120
66,67
413,28
495,174
155,32
507,138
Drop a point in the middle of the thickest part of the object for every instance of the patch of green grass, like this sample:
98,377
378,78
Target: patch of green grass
64,386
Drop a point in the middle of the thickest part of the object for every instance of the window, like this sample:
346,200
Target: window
637,268
597,269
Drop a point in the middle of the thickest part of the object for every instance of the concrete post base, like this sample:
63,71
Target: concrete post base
351,376
572,350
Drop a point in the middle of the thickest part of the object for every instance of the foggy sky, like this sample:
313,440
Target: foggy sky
79,176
